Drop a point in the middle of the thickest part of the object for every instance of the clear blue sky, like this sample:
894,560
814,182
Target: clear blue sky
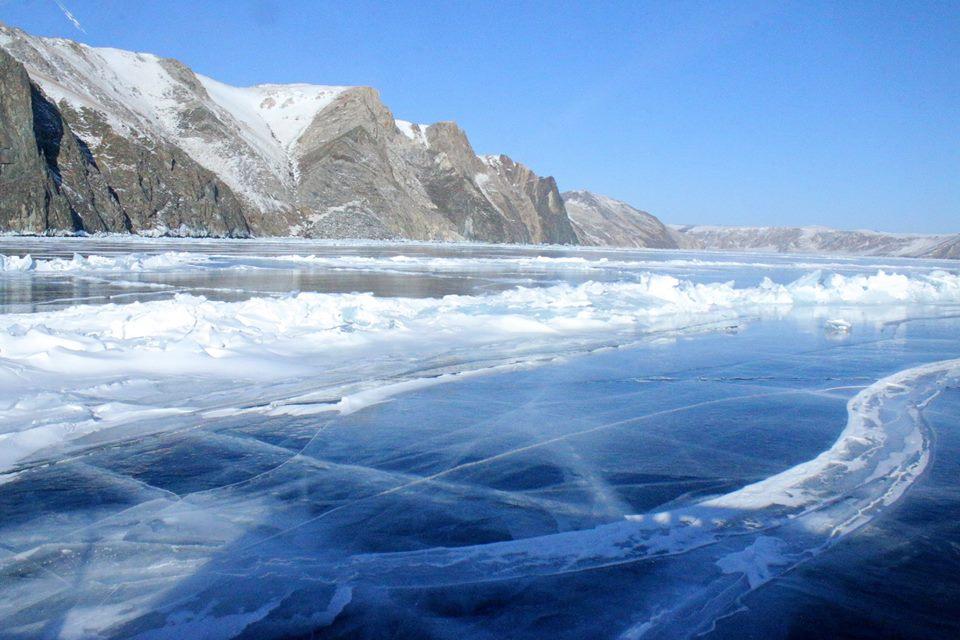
844,114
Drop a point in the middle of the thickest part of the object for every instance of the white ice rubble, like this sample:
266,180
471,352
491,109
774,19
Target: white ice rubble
269,339
96,263
644,261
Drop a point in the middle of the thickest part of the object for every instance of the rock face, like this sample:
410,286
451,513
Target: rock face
949,248
599,220
54,180
815,240
47,178
109,140
28,197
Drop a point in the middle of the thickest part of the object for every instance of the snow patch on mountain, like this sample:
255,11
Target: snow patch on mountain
414,131
246,136
279,113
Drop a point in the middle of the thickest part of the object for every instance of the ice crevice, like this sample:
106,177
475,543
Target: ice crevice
710,553
752,534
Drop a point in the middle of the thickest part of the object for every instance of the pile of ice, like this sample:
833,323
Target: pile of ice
363,343
416,263
191,332
97,263
881,288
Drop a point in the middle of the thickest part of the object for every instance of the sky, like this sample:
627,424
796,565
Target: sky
739,113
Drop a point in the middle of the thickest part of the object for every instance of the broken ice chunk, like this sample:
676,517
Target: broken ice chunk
838,326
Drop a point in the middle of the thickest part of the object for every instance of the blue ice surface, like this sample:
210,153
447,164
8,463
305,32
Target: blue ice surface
561,447
899,577
246,526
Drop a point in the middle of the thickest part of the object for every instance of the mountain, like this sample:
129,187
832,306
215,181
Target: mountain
98,139
599,220
949,248
815,240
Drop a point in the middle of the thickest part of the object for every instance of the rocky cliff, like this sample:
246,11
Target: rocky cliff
96,139
109,140
949,248
599,220
47,178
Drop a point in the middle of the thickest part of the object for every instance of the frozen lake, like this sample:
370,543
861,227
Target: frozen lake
271,439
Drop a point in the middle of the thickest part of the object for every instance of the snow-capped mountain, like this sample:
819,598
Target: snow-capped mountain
815,240
600,220
134,142
99,139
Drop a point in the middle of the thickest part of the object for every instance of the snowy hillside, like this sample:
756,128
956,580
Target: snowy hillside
246,136
322,161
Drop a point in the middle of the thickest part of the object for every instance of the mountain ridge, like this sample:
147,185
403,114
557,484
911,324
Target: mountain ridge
106,140
815,239
601,220
273,160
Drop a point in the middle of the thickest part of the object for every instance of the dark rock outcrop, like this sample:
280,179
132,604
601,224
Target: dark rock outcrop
158,187
40,160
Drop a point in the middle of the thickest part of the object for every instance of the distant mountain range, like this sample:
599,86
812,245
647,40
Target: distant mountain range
599,220
105,140
815,240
